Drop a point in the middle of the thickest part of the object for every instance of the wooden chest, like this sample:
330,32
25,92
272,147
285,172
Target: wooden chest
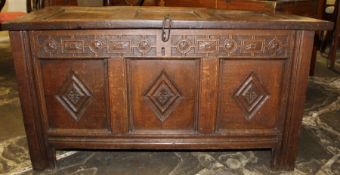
162,78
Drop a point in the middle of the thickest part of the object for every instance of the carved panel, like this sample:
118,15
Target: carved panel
251,96
74,96
163,96
233,45
77,45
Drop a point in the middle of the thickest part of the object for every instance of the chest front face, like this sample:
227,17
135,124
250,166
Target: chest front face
130,82
162,78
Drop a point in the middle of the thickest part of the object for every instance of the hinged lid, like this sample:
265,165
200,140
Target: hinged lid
128,17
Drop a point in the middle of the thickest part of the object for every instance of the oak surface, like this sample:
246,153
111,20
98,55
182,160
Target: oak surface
119,87
152,17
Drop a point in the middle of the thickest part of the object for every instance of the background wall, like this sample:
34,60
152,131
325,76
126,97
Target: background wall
15,6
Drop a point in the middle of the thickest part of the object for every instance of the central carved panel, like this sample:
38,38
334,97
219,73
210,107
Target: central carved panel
74,96
251,96
163,96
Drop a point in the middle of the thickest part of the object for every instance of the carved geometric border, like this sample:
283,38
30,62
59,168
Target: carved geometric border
233,45
77,45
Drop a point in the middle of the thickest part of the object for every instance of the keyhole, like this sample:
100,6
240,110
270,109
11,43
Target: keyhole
163,51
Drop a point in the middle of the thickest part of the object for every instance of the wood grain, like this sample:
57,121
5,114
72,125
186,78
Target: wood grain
105,80
297,94
152,18
41,154
208,95
118,95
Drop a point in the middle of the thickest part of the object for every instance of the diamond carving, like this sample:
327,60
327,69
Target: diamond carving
74,96
163,96
251,96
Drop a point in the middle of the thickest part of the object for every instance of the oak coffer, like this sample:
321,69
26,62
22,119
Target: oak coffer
162,78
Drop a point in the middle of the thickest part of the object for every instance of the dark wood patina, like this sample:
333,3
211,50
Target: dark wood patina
162,78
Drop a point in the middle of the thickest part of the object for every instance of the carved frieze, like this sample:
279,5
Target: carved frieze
224,45
233,45
54,46
184,46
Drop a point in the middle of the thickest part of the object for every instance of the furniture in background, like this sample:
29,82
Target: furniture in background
328,15
310,8
162,78
330,37
335,35
34,5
